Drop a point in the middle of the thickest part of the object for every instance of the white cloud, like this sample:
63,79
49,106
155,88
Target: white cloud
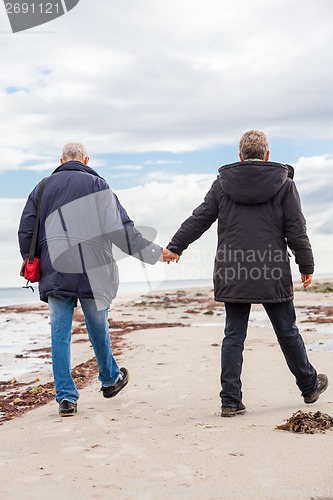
165,202
160,204
172,76
162,162
127,167
10,259
314,178
166,76
11,210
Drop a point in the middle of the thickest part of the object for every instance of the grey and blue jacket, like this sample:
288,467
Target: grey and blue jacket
80,221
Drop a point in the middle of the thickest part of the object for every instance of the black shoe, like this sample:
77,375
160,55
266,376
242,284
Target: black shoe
112,390
67,408
231,411
322,384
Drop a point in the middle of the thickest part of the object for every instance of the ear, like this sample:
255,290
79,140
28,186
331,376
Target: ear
61,161
86,160
241,157
266,156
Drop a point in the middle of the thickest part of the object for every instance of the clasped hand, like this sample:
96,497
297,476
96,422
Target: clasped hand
168,256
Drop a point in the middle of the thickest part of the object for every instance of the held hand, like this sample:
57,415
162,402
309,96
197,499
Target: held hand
168,256
306,280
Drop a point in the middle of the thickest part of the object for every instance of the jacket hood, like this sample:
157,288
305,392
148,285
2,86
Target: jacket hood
252,182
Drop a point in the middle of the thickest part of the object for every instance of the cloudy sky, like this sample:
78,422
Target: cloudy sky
160,92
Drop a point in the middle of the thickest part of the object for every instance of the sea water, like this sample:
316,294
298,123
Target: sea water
21,333
16,296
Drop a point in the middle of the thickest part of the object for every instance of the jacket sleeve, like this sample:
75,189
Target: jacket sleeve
199,222
295,230
27,223
126,236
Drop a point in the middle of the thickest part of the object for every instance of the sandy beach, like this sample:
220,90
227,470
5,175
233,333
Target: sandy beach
163,436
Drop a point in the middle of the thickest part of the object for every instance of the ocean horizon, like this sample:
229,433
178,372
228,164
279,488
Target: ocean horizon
17,295
11,296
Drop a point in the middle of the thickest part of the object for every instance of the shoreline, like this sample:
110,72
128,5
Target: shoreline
190,307
163,436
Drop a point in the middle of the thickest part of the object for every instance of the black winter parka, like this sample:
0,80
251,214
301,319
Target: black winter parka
259,214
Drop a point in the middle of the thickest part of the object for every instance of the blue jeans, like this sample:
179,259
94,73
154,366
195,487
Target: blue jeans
282,316
61,316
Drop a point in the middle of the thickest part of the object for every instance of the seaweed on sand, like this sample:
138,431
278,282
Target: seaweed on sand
307,423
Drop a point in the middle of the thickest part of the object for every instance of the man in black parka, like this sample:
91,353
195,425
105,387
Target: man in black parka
259,215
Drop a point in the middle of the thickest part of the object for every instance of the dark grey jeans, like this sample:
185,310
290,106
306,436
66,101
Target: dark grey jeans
282,316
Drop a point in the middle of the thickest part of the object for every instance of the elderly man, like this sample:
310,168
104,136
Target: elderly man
80,219
259,214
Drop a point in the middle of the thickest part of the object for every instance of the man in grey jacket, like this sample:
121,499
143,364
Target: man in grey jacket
259,215
81,219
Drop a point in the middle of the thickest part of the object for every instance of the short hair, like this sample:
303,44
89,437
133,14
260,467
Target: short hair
254,144
74,151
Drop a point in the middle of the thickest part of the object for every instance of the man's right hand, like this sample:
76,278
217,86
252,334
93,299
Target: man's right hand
168,256
306,280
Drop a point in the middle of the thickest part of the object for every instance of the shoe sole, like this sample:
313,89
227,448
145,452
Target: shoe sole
323,389
67,414
234,413
116,391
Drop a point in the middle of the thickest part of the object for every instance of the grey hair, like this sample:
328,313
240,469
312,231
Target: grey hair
254,144
74,151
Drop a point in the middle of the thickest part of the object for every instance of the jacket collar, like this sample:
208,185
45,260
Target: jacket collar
75,165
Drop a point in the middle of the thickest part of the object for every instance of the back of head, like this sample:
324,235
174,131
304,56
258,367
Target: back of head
74,151
254,145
